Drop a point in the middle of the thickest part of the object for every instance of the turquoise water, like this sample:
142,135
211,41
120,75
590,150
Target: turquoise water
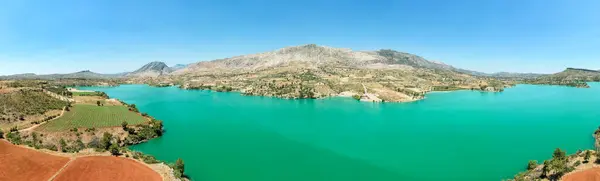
460,135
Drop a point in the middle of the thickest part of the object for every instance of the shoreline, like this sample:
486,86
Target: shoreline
166,172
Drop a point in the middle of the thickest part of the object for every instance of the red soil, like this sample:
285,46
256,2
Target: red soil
592,174
104,168
18,163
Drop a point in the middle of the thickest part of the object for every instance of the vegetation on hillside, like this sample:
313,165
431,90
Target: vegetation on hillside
570,77
18,104
552,169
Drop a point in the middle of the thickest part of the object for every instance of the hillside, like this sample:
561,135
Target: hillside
574,77
152,69
18,104
312,71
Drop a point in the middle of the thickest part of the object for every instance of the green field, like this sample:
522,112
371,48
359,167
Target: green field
87,94
92,116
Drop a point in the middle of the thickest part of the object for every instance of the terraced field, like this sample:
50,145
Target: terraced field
92,116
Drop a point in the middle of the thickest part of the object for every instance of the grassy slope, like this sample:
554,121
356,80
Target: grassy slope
92,116
26,102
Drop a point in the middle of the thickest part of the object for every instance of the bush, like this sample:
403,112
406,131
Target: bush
179,168
14,137
587,156
133,108
357,97
531,165
149,159
1,134
136,155
106,141
114,150
124,125
598,157
63,145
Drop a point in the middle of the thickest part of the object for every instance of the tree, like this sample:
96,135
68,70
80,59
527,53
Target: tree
179,168
114,150
531,165
98,103
587,156
545,169
124,125
559,154
63,145
133,108
106,139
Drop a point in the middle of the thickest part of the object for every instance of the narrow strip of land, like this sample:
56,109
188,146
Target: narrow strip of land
61,169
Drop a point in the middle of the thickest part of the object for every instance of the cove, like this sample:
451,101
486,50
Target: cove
461,135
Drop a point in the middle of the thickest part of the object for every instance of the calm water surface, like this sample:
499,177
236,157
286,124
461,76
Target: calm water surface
461,135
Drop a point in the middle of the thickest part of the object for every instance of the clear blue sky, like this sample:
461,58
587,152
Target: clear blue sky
112,36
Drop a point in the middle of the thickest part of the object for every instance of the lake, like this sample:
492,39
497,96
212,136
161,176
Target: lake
461,135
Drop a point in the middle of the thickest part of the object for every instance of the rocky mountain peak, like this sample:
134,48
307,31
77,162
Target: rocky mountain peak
152,69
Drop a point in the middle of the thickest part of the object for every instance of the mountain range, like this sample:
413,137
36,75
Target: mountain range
152,69
313,71
310,71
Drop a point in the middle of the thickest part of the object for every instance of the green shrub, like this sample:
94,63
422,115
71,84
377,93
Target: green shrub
149,159
63,145
532,164
14,137
114,149
179,168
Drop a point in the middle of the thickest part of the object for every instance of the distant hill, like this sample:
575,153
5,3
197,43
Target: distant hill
575,77
575,74
86,74
152,69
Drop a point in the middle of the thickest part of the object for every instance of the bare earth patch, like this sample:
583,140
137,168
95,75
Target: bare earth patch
103,168
592,174
18,163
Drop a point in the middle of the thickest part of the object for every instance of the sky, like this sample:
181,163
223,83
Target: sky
112,36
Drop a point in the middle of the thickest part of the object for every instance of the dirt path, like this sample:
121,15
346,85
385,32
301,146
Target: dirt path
61,169
37,125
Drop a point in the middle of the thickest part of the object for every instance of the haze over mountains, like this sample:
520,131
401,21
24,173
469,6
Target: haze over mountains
305,55
153,69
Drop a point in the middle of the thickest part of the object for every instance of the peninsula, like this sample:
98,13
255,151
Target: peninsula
76,129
